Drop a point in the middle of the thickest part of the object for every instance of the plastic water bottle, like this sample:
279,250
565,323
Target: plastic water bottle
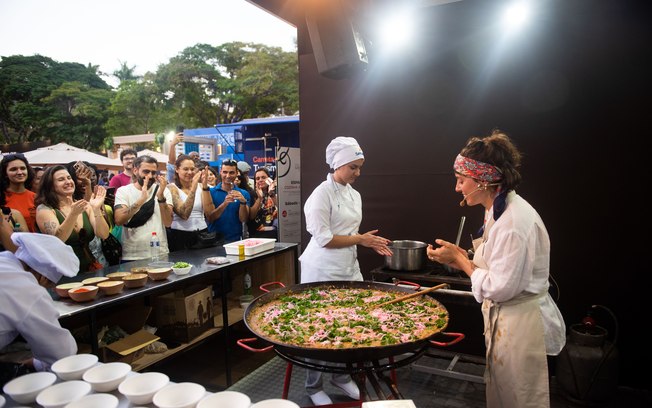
247,283
154,247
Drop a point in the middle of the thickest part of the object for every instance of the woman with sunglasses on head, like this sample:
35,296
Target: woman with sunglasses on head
16,177
75,222
509,274
188,213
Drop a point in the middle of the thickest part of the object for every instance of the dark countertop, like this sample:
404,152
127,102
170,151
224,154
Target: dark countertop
68,307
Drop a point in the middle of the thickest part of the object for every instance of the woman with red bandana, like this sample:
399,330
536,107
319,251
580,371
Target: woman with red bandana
509,274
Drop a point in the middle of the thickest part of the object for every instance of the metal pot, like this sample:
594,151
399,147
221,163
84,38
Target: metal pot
342,354
408,255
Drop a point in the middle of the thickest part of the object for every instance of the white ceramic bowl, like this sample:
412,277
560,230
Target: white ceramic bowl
73,367
95,401
60,395
25,388
182,395
230,399
182,271
275,403
106,377
140,389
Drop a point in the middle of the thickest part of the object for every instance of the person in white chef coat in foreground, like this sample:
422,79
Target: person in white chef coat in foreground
333,216
31,263
509,274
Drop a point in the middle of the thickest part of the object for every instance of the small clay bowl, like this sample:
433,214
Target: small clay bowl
62,290
139,269
111,287
156,274
95,280
83,293
117,275
135,280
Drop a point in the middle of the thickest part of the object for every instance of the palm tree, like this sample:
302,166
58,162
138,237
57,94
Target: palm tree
125,73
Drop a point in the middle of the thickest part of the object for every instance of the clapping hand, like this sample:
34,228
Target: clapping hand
97,200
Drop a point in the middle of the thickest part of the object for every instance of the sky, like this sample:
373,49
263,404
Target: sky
144,33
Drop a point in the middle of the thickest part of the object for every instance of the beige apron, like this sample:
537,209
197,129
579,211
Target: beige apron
516,374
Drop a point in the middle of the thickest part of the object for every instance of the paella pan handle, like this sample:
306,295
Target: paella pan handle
264,286
400,282
458,337
242,343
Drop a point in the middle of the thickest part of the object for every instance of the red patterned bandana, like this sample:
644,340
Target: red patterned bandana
477,170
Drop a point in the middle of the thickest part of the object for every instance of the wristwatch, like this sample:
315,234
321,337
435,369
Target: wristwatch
164,200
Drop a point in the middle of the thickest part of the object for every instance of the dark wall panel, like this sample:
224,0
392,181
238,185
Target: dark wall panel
571,93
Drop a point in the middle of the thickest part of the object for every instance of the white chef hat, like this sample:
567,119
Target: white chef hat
342,150
46,254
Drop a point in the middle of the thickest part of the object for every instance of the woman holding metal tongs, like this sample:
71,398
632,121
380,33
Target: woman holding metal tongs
509,274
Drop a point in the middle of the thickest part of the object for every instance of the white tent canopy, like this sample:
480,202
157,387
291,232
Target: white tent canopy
160,157
63,153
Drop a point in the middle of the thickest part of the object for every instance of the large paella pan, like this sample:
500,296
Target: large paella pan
340,321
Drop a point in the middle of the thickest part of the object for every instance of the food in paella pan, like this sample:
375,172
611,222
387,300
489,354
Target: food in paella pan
327,317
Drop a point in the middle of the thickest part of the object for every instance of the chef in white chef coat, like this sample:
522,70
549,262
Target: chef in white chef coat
26,307
509,275
333,216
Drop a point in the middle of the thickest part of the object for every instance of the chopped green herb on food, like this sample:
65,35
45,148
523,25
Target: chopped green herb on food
181,265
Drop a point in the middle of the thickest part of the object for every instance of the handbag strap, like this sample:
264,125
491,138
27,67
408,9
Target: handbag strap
144,213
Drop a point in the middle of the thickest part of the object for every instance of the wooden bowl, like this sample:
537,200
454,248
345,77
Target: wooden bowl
135,280
111,287
62,290
156,274
83,293
95,280
117,275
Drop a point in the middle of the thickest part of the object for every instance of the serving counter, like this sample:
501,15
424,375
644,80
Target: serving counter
279,264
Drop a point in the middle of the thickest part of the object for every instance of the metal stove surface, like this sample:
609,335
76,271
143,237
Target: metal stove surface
432,273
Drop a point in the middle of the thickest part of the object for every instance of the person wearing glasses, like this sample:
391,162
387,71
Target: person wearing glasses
333,217
143,207
226,205
74,221
127,158
16,177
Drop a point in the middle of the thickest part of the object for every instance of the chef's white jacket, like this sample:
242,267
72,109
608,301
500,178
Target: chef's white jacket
517,252
332,209
27,309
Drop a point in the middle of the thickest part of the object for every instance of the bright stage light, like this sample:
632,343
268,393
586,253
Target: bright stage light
395,30
516,15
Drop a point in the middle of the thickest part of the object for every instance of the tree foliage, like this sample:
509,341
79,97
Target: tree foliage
230,82
201,86
44,99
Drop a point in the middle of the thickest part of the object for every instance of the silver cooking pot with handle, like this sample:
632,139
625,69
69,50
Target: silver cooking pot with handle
407,255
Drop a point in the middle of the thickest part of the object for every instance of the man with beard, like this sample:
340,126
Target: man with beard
143,207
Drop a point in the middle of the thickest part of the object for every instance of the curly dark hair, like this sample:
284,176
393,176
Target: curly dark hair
497,149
